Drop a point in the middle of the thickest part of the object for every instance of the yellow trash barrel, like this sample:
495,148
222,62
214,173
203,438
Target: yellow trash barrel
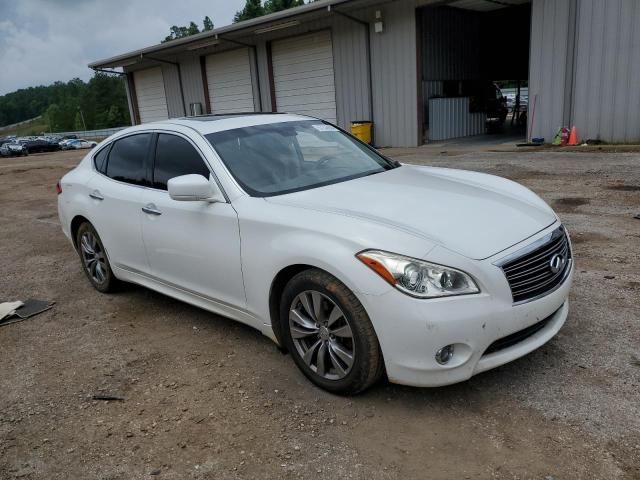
362,130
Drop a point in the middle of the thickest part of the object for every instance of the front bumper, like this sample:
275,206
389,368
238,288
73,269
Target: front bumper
411,331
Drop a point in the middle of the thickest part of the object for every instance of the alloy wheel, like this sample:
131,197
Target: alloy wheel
94,258
321,335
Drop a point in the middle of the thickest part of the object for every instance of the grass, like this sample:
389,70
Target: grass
36,127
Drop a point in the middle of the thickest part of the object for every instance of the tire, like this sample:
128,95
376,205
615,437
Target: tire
329,334
94,260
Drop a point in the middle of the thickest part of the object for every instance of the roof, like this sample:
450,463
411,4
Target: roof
181,44
249,27
207,124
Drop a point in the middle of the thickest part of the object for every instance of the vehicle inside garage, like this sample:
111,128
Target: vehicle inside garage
467,51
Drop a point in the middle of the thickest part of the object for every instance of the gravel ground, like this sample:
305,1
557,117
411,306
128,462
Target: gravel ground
205,397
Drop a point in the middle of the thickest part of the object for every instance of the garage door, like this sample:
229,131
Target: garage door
152,101
303,75
229,82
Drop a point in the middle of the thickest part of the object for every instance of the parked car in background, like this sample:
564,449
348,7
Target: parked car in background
13,148
39,145
53,138
354,263
65,142
79,144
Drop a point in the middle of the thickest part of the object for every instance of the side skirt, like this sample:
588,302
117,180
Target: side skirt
206,303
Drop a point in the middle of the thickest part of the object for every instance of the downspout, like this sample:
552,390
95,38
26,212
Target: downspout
177,65
570,80
368,49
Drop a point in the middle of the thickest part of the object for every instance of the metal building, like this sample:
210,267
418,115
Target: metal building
416,68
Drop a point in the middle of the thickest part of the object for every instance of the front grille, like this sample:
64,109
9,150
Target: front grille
519,336
540,269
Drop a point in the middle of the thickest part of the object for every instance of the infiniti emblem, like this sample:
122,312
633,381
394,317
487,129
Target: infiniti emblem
556,263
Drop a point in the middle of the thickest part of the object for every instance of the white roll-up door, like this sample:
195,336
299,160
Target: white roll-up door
152,100
303,75
229,82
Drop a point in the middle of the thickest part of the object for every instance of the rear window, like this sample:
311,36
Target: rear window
127,159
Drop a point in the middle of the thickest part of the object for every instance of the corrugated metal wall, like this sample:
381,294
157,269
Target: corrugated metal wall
172,89
450,118
550,65
393,63
451,46
606,96
585,68
192,81
394,72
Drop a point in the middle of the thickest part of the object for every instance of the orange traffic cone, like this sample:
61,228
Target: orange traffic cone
573,136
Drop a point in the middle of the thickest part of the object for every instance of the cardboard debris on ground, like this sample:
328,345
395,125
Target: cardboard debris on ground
13,312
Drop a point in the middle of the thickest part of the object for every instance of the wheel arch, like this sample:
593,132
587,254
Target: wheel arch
75,225
278,284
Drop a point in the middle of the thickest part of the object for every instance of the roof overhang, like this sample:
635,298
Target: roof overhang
487,5
254,26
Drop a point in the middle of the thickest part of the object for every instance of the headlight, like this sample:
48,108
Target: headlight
416,277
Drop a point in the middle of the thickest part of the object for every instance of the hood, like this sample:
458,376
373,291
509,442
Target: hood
474,214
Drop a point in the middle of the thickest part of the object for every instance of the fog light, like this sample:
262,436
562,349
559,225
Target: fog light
444,355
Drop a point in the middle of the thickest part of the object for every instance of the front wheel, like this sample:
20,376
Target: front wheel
329,334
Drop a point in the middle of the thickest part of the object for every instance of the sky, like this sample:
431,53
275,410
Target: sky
42,41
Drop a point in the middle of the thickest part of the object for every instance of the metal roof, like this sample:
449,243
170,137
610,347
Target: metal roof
180,44
487,5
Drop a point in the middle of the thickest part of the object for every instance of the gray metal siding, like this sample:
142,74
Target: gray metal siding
451,48
450,118
393,64
172,90
606,102
550,36
192,81
351,67
263,75
255,81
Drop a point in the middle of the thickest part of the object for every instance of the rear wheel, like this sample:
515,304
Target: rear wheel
94,259
329,334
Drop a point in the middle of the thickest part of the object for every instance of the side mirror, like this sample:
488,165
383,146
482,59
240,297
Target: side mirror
194,188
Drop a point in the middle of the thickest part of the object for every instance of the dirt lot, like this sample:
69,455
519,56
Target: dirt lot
208,398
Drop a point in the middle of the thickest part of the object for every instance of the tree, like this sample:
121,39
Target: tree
207,24
192,29
271,6
77,125
252,9
103,101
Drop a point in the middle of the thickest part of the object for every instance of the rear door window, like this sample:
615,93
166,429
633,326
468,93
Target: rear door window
175,156
100,159
127,159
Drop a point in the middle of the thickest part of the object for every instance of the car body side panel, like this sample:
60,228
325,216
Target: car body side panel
275,237
195,245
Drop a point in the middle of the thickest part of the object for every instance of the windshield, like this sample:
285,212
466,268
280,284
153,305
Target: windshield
285,157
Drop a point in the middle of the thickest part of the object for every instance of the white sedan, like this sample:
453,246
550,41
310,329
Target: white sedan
355,264
78,144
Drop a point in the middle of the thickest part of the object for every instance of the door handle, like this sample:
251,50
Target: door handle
151,209
96,195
